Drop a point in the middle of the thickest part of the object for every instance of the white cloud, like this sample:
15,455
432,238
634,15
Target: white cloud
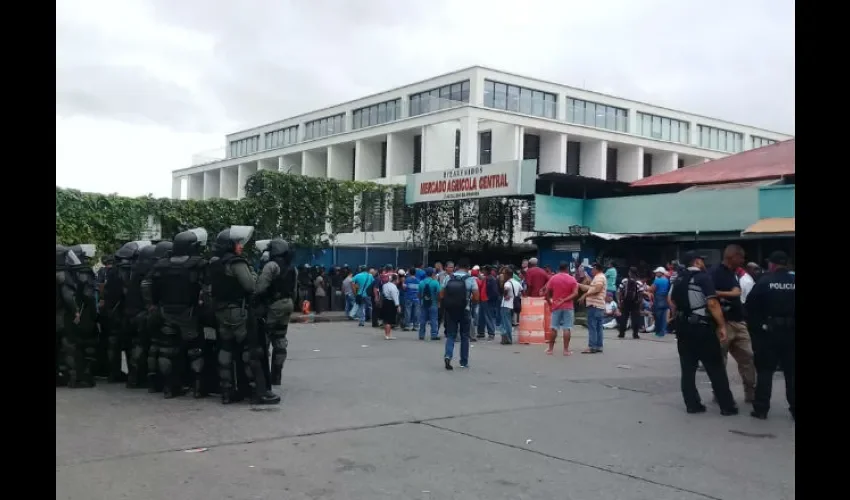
144,85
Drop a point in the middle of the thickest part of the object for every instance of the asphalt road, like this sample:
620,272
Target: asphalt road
364,418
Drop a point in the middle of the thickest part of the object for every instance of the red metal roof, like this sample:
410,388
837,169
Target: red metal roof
769,162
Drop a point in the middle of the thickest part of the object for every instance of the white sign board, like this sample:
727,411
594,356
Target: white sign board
483,181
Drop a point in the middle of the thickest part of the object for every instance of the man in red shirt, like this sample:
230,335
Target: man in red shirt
561,292
535,279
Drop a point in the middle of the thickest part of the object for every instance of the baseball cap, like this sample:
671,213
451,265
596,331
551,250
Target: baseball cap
691,256
778,258
660,269
401,272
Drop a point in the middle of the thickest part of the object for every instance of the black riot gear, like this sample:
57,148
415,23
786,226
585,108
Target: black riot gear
229,239
280,250
80,340
163,249
225,289
189,242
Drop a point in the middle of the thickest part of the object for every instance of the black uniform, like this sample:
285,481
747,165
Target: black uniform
176,290
66,306
276,288
81,337
137,314
153,324
697,341
118,321
772,313
232,287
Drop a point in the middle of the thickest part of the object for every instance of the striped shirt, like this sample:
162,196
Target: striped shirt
597,299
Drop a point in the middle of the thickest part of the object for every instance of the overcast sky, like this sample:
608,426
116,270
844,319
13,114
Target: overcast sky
142,85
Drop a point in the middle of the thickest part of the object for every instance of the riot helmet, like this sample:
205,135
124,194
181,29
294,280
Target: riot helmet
65,257
85,252
189,243
280,249
233,239
147,254
130,250
264,257
162,249
262,245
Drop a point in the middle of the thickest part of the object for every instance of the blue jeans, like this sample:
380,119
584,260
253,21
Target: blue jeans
486,318
473,308
507,325
458,323
594,327
661,321
428,315
496,311
349,303
366,304
411,314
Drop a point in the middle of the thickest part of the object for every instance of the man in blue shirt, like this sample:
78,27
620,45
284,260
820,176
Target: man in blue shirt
411,300
457,316
429,300
660,289
362,283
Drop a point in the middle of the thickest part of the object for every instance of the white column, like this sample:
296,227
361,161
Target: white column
229,182
212,182
280,164
476,88
195,189
629,163
469,141
553,153
176,187
594,158
664,162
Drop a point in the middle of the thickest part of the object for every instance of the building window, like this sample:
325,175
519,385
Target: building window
445,97
647,165
597,115
402,214
485,144
417,154
376,114
760,142
244,147
372,209
324,127
663,129
281,137
720,140
611,165
383,159
519,99
573,157
531,148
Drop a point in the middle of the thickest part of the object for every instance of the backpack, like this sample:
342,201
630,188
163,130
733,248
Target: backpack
427,298
455,298
630,291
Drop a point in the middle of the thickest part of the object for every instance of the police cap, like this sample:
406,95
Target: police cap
778,258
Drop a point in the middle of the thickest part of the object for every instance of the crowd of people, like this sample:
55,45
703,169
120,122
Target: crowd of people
180,319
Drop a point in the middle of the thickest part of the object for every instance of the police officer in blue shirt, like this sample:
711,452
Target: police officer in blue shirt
700,329
771,311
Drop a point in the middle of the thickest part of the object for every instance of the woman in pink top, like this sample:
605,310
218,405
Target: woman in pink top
561,291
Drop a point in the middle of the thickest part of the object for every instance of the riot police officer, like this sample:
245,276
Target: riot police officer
67,312
153,323
231,288
80,341
175,290
700,329
276,290
137,317
771,309
115,289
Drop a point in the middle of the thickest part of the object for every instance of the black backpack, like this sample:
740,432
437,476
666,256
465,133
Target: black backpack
427,299
455,298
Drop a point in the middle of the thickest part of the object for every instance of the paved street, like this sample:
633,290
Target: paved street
364,418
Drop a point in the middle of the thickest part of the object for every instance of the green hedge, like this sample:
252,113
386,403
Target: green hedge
293,206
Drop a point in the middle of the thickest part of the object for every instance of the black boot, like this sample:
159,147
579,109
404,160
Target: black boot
227,395
276,377
153,383
261,394
198,387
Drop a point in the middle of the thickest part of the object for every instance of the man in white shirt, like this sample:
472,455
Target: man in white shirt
748,280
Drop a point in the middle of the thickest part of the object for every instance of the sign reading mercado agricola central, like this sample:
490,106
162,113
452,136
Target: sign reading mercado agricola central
484,181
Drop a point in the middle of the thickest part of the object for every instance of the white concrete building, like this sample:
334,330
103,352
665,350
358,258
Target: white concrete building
475,116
